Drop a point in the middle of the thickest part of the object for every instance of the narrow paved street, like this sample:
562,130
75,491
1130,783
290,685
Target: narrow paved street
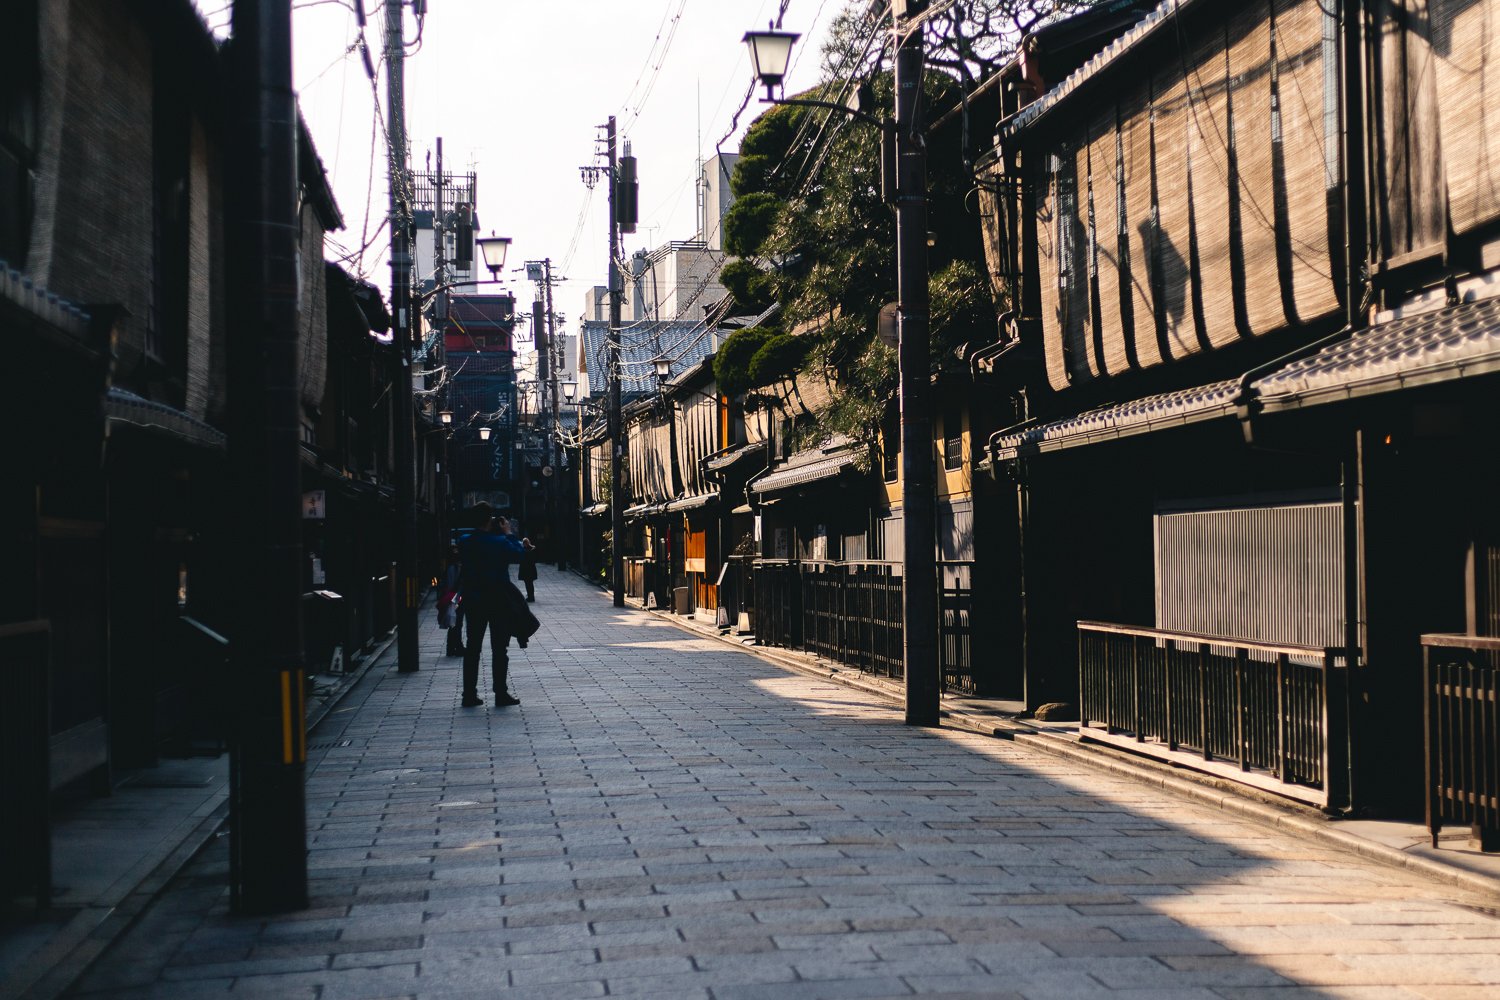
667,817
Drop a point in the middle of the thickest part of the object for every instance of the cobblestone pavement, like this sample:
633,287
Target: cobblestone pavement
664,816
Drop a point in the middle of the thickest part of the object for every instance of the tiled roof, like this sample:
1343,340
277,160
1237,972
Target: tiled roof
692,503
59,312
1451,343
595,509
685,344
1147,26
1168,409
125,407
729,458
812,467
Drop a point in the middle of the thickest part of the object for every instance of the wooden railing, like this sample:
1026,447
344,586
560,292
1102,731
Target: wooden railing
851,613
1460,695
1263,714
25,780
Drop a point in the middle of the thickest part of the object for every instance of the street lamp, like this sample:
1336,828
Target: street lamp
569,389
484,433
494,249
770,51
445,417
663,368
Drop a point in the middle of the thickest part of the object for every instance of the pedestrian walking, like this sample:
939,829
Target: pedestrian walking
491,603
527,572
450,608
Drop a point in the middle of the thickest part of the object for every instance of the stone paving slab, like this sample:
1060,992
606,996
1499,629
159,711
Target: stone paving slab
665,816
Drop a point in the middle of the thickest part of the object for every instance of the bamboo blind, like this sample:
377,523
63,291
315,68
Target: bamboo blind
1249,48
1410,160
1114,328
1140,207
1209,159
1048,278
1073,217
1302,90
1171,273
1193,210
1466,36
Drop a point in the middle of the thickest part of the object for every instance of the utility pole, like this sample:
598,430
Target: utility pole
542,332
554,446
616,444
268,812
401,302
440,315
918,490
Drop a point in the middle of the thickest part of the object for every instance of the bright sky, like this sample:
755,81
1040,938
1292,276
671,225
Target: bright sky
516,89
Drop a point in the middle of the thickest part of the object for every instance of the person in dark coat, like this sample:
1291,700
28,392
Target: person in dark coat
527,573
489,603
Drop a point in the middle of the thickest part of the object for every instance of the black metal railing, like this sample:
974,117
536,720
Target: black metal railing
1460,694
25,778
1274,712
851,612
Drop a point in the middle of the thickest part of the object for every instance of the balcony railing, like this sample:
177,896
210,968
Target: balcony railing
851,613
1460,694
1262,714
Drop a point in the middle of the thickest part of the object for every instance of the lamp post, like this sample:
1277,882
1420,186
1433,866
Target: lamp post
770,53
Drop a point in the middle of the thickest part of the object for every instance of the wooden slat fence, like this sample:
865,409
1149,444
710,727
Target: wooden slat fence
851,613
1264,714
1461,691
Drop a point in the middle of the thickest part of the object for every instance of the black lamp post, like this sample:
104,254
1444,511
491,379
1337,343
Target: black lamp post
770,52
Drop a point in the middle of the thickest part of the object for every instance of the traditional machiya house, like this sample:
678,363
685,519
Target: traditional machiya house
113,276
652,547
702,429
594,488
963,670
347,459
1252,248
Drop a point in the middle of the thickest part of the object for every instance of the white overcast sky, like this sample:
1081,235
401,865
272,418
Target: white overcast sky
516,89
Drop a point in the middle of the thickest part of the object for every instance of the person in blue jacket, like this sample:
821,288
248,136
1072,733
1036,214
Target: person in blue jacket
489,602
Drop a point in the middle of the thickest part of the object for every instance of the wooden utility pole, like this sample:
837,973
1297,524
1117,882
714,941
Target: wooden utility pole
404,425
616,443
268,849
918,487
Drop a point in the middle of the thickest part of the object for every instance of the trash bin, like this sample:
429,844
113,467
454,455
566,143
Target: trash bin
322,630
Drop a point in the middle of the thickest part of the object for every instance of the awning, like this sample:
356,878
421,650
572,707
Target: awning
646,509
122,407
595,509
692,503
1457,342
805,472
733,456
1139,416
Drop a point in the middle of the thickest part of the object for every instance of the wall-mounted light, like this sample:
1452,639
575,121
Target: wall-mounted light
484,433
445,417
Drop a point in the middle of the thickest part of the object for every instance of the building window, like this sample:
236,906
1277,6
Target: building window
890,445
953,438
19,83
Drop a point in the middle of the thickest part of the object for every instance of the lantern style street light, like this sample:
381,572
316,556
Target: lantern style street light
569,389
484,433
770,53
494,248
445,417
663,368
